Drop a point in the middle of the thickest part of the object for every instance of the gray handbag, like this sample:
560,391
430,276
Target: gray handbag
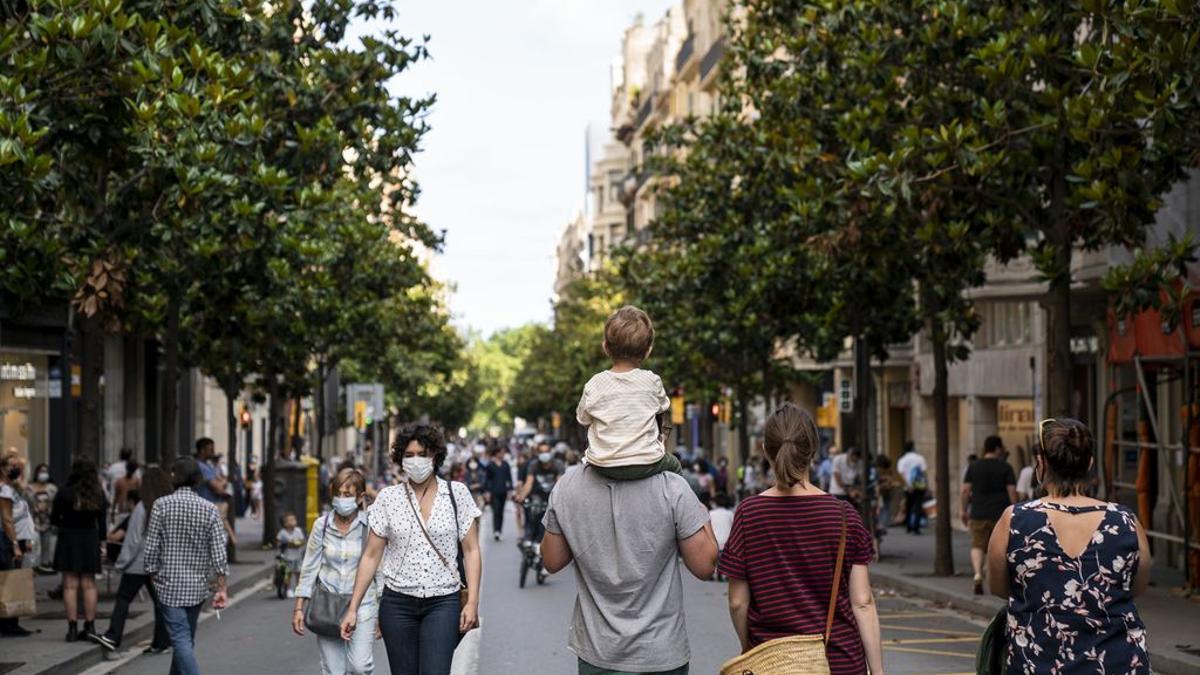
325,609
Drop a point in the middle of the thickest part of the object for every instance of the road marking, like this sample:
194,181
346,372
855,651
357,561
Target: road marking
933,631
106,667
933,652
910,615
929,641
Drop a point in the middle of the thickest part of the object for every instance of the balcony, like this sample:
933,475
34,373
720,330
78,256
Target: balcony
643,112
685,53
708,64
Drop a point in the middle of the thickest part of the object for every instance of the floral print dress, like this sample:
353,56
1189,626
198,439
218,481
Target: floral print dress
1073,614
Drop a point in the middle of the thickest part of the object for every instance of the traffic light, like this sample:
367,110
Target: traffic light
716,410
244,418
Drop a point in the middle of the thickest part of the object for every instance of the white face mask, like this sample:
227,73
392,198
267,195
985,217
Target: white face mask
43,477
418,469
345,506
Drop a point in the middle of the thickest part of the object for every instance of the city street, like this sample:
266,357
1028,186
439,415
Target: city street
524,630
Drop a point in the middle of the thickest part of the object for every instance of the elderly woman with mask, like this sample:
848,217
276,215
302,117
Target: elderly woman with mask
334,552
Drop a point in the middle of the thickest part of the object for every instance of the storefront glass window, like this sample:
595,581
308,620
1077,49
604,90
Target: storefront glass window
24,409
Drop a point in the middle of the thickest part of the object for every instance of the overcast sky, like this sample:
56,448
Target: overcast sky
502,171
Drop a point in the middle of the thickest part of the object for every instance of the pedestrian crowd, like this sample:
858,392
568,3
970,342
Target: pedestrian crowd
398,558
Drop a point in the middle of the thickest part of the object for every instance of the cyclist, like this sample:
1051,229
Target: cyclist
541,473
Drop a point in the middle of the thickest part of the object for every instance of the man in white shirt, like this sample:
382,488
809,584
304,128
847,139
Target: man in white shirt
846,469
915,471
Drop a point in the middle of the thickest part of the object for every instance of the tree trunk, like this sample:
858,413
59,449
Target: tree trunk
169,430
863,405
92,408
268,477
1058,299
231,463
319,408
943,560
1058,330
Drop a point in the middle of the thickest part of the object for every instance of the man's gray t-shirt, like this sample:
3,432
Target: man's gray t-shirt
624,537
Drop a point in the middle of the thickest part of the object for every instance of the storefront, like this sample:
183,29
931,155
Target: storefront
25,391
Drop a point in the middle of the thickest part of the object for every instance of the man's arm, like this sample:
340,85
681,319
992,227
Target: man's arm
699,552
556,553
966,503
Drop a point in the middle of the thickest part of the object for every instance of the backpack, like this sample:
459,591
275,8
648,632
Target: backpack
917,479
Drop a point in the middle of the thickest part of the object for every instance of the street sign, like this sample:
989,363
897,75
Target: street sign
371,396
846,395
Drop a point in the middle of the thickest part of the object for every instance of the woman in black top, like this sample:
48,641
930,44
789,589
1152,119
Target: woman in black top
78,513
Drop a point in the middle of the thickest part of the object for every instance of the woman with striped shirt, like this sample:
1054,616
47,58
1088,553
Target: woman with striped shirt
334,551
782,552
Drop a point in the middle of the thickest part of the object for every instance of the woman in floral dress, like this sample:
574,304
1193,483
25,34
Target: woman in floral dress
1070,567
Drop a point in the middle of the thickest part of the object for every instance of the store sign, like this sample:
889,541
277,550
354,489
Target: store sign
24,392
1014,416
20,372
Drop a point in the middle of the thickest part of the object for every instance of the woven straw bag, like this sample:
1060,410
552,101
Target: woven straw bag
795,654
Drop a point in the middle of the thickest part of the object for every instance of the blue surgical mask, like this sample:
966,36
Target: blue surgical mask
345,506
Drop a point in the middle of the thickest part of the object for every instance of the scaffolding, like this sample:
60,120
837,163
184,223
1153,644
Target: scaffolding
1159,354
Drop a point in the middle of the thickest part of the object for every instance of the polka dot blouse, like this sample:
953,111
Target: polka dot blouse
409,565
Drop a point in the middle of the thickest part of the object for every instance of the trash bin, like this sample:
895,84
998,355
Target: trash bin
295,490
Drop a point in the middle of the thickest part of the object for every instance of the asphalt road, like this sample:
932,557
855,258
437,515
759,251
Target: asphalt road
525,630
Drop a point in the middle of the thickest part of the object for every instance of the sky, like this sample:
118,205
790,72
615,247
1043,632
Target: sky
503,170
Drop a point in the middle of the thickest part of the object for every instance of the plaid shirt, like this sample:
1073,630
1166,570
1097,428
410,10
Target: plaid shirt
185,541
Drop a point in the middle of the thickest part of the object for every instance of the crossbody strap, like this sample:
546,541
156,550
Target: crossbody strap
411,494
837,576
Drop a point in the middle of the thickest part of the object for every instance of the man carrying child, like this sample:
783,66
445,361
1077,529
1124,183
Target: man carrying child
630,517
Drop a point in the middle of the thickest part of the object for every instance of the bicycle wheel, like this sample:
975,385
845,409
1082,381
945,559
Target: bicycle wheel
524,569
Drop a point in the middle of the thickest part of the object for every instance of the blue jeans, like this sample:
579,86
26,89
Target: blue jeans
420,634
181,626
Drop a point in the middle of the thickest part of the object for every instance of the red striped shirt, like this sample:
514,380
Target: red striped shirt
785,548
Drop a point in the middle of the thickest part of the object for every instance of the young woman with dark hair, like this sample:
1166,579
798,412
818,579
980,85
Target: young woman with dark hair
1070,567
78,513
414,540
155,483
783,553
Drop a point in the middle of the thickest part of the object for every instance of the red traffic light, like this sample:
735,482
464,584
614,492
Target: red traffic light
716,410
244,418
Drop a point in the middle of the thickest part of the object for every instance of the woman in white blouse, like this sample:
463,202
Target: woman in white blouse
332,559
413,543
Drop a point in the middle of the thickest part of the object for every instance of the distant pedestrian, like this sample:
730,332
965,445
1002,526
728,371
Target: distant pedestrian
155,484
185,544
847,472
1025,478
40,495
721,517
825,469
890,487
722,477
988,489
499,486
331,560
626,538
212,487
915,472
79,514
290,541
417,529
1070,567
783,553
12,551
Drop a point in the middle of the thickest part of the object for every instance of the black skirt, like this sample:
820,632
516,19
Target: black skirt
77,551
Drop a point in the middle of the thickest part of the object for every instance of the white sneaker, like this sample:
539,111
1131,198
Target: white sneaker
291,593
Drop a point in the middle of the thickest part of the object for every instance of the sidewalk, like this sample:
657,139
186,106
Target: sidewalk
46,653
907,566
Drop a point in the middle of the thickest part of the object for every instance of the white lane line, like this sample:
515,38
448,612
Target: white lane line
106,667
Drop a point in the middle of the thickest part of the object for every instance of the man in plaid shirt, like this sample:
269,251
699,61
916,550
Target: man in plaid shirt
185,542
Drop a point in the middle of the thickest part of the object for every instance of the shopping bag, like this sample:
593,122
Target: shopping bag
16,594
